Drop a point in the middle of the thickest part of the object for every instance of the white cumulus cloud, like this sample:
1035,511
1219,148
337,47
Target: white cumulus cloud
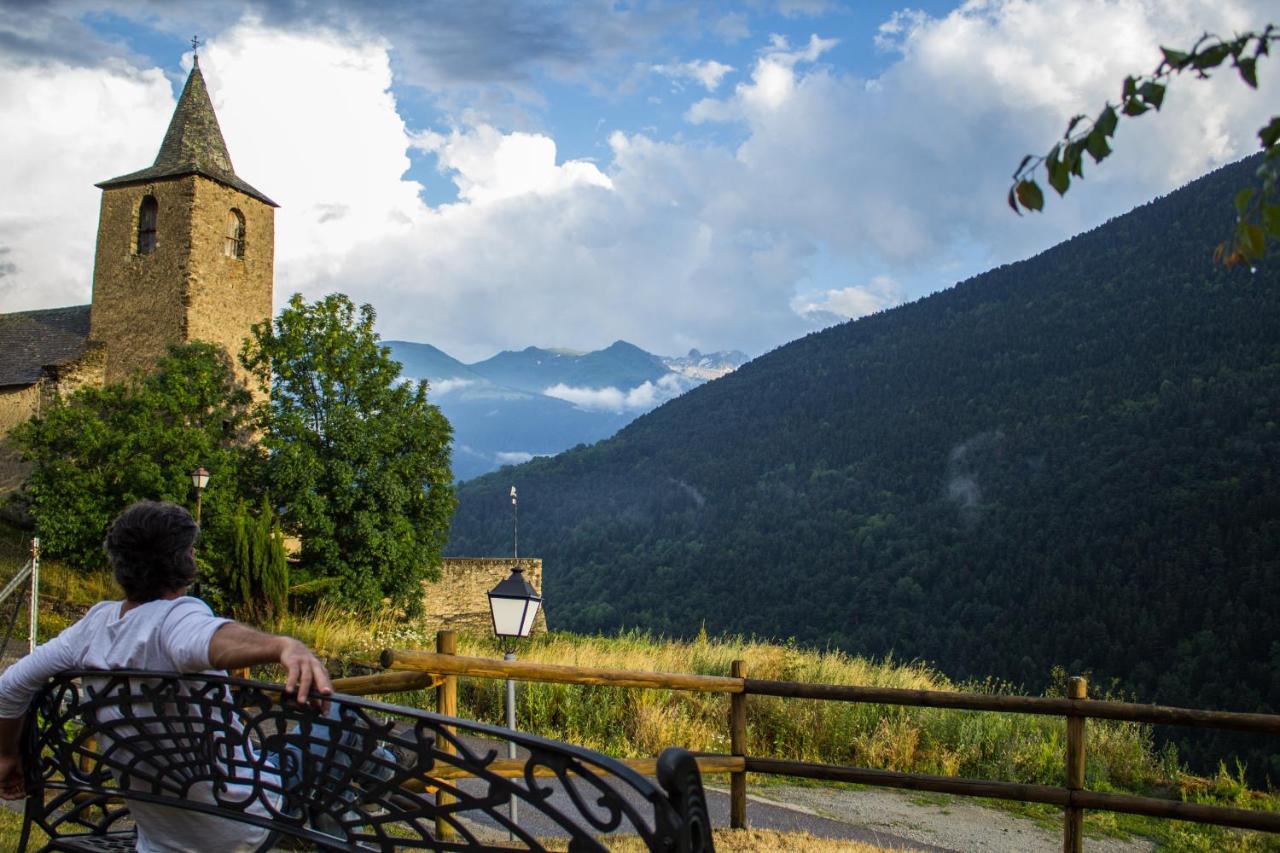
848,303
488,165
443,386
773,80
66,128
310,120
641,398
706,72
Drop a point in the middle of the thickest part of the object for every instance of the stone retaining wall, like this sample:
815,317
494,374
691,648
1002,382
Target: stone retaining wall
459,601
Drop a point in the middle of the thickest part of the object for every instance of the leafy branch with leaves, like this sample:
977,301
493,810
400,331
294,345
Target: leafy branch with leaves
1257,207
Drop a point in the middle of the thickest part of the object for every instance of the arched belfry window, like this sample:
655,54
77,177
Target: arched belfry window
147,225
233,244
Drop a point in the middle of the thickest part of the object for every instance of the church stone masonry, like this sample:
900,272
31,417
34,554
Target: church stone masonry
206,274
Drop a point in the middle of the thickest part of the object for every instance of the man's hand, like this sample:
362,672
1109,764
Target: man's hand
305,671
13,785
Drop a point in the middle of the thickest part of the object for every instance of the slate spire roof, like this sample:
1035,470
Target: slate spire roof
193,145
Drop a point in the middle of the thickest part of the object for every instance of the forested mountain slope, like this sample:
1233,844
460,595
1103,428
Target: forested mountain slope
1070,460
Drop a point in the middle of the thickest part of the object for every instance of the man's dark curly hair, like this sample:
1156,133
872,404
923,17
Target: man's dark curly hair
149,546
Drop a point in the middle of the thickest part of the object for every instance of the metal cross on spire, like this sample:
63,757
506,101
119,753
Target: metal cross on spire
195,49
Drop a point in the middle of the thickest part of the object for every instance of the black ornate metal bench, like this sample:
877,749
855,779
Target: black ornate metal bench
97,741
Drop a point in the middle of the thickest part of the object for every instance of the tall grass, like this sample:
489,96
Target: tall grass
633,723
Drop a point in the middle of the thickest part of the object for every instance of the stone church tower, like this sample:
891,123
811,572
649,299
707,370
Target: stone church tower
185,253
185,248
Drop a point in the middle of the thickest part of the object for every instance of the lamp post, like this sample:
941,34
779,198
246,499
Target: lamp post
514,605
199,479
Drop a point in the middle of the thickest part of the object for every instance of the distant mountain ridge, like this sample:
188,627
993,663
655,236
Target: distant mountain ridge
1070,461
423,361
620,365
536,402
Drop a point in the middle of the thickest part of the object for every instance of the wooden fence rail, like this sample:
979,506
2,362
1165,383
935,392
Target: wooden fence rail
1075,708
439,664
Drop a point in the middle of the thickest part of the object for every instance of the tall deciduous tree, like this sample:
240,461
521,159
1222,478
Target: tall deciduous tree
358,458
101,449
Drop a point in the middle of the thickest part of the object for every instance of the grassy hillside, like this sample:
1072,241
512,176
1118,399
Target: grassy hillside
1069,461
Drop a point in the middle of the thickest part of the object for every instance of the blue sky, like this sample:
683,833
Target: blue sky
495,175
581,116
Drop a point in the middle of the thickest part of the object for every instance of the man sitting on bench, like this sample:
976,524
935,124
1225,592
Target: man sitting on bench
157,627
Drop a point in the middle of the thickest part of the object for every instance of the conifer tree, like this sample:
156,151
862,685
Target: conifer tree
256,585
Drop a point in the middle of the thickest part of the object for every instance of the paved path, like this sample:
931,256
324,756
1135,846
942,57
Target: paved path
894,820
761,814
936,821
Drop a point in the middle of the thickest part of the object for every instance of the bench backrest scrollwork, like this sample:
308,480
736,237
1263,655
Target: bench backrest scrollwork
362,778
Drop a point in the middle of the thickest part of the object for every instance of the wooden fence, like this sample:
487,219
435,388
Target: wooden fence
418,669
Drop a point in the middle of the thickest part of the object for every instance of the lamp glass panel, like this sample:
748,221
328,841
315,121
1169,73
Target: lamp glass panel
507,615
530,613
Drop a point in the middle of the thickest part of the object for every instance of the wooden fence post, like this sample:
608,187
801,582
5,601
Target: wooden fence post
1073,816
446,704
738,746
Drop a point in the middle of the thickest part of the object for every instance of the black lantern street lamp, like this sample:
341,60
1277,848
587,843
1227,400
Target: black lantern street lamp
514,604
199,479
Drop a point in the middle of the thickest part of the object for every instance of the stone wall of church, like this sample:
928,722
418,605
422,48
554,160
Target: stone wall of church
139,300
459,601
227,296
19,403
88,370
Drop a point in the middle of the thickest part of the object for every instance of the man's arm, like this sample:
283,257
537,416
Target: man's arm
234,645
18,685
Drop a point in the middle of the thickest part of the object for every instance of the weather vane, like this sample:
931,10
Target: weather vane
515,526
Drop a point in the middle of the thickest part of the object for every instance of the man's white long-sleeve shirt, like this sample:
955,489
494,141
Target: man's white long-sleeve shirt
166,635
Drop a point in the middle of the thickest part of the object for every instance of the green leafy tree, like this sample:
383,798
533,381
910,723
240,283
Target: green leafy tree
257,577
1257,207
104,448
358,458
